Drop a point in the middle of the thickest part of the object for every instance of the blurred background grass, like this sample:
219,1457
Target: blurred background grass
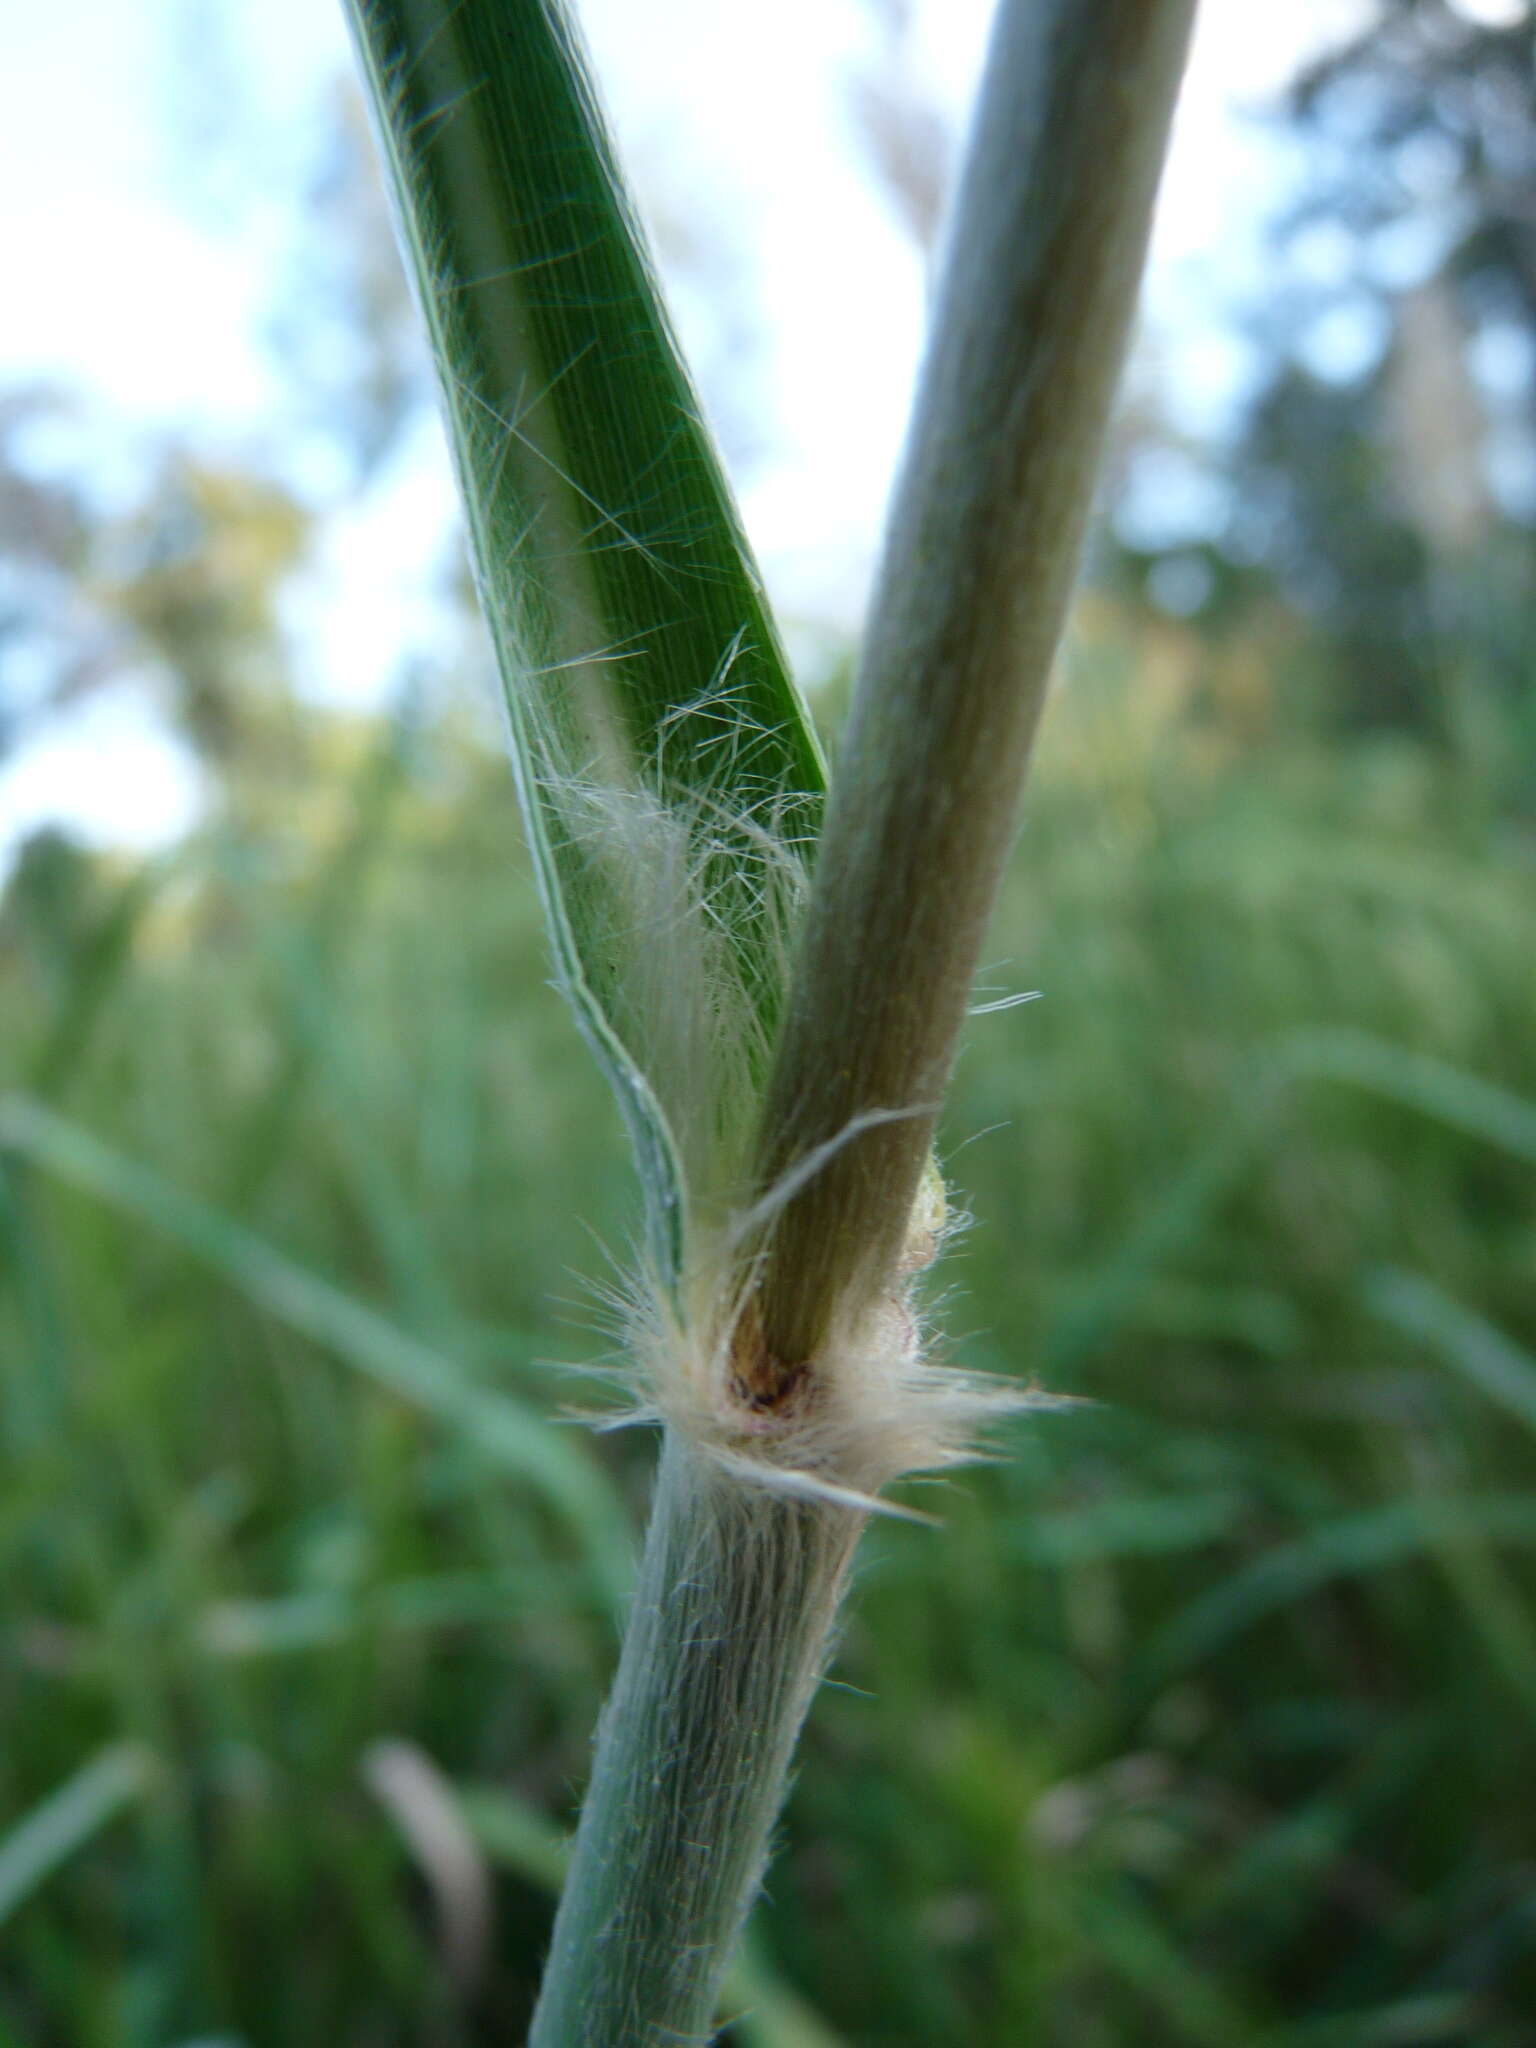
1207,1715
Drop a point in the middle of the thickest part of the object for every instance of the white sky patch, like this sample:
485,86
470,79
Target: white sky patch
758,112
111,775
371,601
113,286
1494,13
155,319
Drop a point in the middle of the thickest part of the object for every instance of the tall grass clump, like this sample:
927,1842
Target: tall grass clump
774,980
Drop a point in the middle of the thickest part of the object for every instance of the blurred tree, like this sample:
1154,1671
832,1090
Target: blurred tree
51,643
1317,506
1426,122
195,571
1384,477
174,581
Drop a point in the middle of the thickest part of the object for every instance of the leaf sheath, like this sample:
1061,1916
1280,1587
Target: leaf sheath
643,676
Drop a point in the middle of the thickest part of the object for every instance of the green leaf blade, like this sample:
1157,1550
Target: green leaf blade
43,1840
654,722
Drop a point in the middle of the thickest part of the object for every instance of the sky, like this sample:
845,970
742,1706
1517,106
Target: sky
152,292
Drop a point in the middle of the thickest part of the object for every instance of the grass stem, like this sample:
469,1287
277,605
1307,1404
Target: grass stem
725,1644
982,547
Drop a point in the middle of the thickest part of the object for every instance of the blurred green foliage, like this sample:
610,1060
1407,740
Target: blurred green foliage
1205,1717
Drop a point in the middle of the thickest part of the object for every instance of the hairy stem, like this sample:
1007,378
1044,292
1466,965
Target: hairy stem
631,633
981,552
725,1644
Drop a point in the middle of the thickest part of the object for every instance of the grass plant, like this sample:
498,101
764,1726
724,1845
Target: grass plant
782,1072
1199,1720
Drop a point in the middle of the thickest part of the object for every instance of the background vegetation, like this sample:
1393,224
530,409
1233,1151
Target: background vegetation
1206,1717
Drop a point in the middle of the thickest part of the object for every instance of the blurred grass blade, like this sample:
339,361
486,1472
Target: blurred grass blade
333,916
1463,1102
1472,1347
32,1396
65,1821
1095,1305
516,1835
649,700
555,1462
1134,1947
1448,2017
1349,1546
62,1053
419,1800
1092,1308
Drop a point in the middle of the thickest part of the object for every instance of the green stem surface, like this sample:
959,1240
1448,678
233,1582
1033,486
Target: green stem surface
981,552
725,1644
